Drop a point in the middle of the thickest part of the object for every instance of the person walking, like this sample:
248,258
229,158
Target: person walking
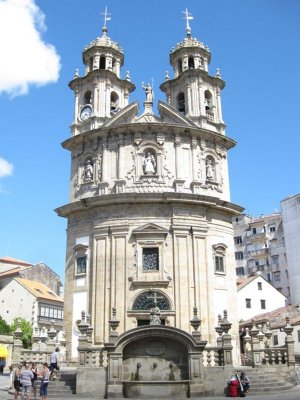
26,381
45,380
54,358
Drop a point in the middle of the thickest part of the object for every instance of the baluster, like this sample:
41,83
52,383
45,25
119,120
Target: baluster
216,357
279,357
267,357
209,358
285,355
101,357
273,357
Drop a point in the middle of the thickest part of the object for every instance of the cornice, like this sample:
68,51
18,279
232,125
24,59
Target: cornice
169,198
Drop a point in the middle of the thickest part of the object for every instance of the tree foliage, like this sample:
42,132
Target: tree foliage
26,328
5,328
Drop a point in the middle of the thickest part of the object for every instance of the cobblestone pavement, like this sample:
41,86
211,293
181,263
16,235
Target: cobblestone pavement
293,394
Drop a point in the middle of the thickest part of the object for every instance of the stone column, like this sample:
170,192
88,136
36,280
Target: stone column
120,182
118,68
96,61
51,336
17,344
195,183
103,186
226,340
107,100
179,181
76,106
95,99
219,107
289,342
256,355
82,340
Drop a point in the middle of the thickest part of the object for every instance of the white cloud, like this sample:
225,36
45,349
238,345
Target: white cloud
6,168
25,58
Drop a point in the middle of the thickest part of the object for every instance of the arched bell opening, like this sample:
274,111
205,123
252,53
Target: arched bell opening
181,102
114,102
191,63
102,63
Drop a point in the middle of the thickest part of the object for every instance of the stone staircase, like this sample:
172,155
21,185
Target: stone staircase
64,386
264,380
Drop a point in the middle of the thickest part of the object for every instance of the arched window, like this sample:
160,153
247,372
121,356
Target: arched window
88,97
219,255
208,100
191,63
179,66
91,64
181,102
102,62
146,300
114,102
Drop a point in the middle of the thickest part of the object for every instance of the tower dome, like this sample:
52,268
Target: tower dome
192,91
101,92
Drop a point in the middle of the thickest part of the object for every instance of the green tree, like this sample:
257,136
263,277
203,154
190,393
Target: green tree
5,329
26,328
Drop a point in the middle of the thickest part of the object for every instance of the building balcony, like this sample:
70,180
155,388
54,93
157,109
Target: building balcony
258,252
57,321
256,236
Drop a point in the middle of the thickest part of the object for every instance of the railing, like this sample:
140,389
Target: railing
212,357
93,357
259,252
36,357
275,355
49,319
210,116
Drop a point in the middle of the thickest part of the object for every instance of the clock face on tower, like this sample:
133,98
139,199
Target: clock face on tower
85,113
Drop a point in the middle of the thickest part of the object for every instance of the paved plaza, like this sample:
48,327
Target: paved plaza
293,394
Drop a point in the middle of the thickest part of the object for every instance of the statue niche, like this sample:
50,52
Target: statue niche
149,162
88,173
210,169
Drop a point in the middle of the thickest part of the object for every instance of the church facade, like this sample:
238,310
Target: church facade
149,236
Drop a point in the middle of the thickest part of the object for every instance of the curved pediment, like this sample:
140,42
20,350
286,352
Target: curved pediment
170,115
125,116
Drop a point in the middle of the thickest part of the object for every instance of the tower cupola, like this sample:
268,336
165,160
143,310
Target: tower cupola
101,92
193,91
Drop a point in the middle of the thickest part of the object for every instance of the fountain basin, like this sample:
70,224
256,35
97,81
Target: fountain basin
159,389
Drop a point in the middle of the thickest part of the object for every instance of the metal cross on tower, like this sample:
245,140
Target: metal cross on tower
187,16
107,17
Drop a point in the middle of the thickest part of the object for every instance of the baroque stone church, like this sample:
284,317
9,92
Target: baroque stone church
150,256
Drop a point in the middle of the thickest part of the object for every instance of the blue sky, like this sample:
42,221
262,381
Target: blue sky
255,43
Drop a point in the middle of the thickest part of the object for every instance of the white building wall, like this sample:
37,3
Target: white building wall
291,225
273,299
16,301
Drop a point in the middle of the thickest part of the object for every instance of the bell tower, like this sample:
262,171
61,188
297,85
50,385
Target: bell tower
192,91
101,92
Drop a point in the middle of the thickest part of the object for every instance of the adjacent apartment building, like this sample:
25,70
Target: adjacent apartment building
290,208
260,247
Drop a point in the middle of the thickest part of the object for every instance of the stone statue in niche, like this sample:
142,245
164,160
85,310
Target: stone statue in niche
210,171
149,92
88,171
155,314
149,164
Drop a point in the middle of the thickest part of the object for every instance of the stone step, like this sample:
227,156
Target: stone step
264,389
